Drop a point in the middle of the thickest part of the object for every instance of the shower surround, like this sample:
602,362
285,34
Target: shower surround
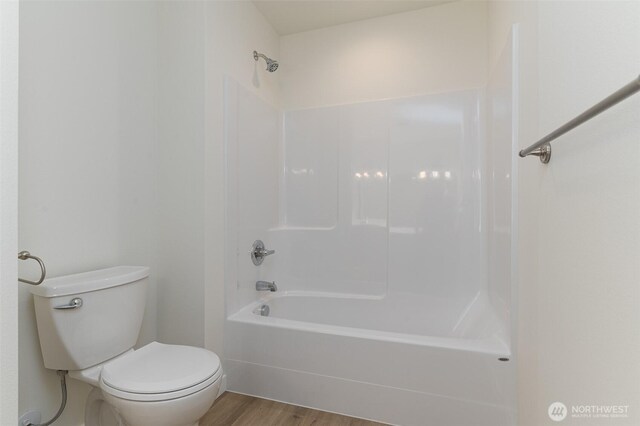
391,222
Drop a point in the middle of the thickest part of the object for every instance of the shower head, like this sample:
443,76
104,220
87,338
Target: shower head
272,65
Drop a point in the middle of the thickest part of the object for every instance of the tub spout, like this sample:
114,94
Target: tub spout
266,286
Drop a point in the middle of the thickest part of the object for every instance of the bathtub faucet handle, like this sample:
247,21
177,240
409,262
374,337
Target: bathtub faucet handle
265,252
259,252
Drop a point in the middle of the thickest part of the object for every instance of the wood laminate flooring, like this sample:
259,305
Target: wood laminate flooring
233,409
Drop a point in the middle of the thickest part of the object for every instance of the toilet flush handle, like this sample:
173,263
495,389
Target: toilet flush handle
76,302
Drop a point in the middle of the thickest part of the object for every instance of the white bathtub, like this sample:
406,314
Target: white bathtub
402,360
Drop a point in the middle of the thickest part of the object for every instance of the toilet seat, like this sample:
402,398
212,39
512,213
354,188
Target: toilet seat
158,372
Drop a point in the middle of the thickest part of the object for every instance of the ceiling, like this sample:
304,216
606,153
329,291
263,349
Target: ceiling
294,16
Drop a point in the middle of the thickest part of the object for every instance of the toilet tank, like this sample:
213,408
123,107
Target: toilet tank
105,325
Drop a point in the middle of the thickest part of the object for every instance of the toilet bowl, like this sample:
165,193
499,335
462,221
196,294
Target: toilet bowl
161,385
88,324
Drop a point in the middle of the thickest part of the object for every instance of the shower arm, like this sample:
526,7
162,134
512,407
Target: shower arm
257,55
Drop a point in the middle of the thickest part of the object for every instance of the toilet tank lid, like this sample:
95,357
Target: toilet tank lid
90,281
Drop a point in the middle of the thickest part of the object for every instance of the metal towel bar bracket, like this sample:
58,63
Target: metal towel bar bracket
24,255
542,149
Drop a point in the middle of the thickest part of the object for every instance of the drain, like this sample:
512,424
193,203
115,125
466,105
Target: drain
264,310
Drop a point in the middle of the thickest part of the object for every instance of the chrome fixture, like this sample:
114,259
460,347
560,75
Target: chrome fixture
75,303
272,64
24,255
544,153
263,310
259,252
266,286
542,148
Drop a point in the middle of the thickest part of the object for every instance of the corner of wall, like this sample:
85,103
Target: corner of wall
8,211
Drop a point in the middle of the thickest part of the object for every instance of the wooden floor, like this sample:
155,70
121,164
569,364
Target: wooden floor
241,410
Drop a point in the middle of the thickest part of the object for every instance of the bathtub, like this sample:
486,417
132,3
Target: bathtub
400,359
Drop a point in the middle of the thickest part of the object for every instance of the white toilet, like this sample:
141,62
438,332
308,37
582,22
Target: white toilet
88,324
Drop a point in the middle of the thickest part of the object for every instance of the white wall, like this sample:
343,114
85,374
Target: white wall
234,31
87,159
432,50
588,292
180,178
578,226
8,212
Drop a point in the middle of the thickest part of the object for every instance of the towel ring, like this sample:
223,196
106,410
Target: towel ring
24,255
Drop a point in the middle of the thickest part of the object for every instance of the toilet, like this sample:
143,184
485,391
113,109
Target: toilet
88,324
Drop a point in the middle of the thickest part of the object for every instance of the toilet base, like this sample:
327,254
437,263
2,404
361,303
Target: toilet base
103,409
98,412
